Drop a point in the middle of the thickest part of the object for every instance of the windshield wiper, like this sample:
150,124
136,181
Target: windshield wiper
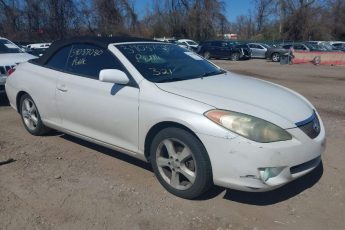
206,74
171,79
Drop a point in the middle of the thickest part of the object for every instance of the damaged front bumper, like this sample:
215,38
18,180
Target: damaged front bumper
241,164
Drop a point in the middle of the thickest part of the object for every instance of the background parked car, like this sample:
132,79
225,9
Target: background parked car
338,45
10,55
165,39
38,45
4,68
224,49
188,44
274,53
22,45
37,49
37,52
322,45
258,49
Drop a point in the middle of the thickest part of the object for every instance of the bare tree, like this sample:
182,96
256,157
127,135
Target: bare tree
37,20
10,16
115,16
244,27
336,18
263,8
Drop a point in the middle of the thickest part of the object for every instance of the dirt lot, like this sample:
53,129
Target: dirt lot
60,182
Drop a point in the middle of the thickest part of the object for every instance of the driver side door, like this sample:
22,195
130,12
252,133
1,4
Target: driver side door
103,111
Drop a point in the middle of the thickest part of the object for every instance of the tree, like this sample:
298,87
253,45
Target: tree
115,16
263,9
196,19
48,20
10,16
336,18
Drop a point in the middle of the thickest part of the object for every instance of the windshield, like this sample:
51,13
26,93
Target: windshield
327,46
8,47
159,62
316,47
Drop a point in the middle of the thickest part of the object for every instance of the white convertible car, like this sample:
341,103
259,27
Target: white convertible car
197,124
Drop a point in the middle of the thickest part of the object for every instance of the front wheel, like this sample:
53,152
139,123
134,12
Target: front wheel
181,163
31,117
235,57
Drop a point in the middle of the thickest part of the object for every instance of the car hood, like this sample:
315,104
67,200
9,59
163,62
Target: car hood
248,95
15,58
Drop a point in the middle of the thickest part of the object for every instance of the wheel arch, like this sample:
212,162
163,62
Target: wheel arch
19,95
235,52
157,128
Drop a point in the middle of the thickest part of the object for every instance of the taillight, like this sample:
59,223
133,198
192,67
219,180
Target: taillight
10,71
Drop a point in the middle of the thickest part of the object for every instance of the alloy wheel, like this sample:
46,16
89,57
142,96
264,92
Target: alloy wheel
176,163
30,114
275,57
235,57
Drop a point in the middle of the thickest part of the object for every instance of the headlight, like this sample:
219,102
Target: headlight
248,126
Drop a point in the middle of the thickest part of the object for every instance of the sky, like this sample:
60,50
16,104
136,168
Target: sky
233,8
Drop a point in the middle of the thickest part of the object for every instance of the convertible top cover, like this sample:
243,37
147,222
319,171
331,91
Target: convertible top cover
98,41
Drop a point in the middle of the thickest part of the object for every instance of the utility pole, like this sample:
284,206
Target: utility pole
280,4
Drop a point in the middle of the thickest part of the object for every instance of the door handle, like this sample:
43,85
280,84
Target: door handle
62,88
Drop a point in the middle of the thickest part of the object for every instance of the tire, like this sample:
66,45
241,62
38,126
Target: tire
207,55
275,57
31,117
185,169
235,56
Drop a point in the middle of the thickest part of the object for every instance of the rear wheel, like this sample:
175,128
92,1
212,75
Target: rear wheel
181,163
235,57
275,57
31,117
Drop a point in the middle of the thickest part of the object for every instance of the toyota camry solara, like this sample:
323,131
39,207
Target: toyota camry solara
197,124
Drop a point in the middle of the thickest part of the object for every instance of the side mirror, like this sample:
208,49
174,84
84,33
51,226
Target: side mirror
113,76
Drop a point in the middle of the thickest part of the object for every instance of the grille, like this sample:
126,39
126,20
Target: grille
310,126
305,166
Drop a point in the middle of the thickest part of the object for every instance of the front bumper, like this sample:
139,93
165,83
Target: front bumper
242,164
245,54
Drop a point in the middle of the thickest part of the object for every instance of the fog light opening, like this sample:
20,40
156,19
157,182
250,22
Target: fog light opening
270,172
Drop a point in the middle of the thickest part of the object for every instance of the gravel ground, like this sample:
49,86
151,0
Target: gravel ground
61,182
